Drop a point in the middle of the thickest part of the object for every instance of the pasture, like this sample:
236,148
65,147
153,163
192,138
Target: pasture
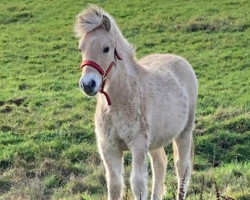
47,139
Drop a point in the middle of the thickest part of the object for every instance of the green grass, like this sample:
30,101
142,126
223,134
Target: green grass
47,140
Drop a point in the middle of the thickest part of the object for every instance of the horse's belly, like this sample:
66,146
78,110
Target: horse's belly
162,132
167,121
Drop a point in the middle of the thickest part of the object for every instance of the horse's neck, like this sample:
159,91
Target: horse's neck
123,85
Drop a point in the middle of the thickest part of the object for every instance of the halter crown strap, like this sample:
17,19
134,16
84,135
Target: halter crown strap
102,72
117,55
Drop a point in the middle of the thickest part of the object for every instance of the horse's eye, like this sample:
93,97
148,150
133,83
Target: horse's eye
106,50
79,49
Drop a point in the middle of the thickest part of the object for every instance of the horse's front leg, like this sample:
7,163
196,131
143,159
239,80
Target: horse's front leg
112,158
138,179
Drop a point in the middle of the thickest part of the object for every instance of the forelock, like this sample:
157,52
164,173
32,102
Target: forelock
88,20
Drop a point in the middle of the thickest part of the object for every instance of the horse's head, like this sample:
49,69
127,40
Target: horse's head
100,38
97,47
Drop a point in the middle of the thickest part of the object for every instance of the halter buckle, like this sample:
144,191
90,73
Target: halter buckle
104,78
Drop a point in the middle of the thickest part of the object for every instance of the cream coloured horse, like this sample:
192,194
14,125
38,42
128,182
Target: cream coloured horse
142,106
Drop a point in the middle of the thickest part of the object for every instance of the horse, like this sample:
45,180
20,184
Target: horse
142,106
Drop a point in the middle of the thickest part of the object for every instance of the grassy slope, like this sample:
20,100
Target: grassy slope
47,146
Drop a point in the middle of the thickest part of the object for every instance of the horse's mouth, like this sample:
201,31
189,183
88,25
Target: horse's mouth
89,94
92,94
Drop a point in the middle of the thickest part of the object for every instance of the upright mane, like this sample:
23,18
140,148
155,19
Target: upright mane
88,20
91,18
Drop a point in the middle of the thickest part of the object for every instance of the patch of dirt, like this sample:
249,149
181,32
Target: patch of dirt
5,164
194,27
5,128
1,103
17,101
5,186
6,109
239,125
225,114
23,86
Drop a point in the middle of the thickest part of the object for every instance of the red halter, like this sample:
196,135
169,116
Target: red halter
102,72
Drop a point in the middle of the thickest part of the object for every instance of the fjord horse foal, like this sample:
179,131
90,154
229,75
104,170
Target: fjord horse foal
142,106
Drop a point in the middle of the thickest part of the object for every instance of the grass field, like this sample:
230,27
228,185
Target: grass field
47,141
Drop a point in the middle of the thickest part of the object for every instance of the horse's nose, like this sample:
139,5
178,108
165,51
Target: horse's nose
89,87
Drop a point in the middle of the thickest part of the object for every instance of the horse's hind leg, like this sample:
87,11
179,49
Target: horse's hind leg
159,165
182,146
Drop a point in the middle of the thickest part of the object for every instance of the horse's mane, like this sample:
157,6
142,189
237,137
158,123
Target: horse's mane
91,18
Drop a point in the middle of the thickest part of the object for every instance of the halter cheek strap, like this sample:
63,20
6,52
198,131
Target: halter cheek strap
102,72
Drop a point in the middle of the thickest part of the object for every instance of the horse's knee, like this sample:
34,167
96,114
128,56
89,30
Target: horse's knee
139,185
138,180
115,189
115,184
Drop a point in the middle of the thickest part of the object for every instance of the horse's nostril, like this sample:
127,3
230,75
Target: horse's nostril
88,88
92,84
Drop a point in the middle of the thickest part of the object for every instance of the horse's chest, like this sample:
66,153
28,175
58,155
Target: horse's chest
119,128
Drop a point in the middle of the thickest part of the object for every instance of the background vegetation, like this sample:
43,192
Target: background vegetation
47,142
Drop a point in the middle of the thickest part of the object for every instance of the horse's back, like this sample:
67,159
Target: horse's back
183,71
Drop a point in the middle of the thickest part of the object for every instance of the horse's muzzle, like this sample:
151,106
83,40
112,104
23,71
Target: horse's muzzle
88,88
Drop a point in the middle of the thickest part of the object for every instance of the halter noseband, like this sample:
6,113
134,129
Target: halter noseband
102,72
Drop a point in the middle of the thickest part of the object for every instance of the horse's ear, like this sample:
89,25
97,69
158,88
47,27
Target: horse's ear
106,23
